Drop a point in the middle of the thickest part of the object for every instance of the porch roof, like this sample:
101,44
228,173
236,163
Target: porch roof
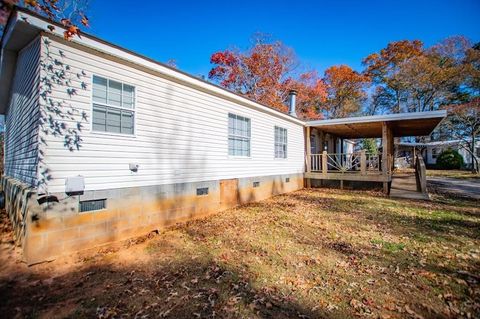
402,124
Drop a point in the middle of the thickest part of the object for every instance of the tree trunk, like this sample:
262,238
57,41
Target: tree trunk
475,167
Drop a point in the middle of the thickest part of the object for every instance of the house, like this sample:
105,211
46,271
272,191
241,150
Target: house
431,150
103,144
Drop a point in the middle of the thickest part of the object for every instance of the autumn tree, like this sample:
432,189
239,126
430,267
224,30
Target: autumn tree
70,13
464,124
435,78
384,67
411,78
472,69
266,72
345,91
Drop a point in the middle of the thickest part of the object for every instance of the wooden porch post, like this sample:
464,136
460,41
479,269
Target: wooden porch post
386,152
391,148
308,152
363,162
322,141
330,146
324,163
414,157
341,152
308,147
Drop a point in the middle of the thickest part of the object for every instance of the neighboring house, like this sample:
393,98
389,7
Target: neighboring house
431,150
103,144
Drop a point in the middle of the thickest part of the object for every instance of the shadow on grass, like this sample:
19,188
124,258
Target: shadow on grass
180,289
433,219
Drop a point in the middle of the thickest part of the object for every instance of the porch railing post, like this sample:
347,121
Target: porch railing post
363,162
324,163
308,149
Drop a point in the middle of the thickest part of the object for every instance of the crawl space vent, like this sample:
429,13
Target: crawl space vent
256,184
287,179
91,205
202,191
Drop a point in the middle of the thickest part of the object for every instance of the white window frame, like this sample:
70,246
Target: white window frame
133,109
249,138
275,142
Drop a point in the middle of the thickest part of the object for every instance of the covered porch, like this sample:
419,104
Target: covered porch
331,155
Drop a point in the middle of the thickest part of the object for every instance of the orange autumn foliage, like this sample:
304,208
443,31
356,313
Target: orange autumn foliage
346,91
266,73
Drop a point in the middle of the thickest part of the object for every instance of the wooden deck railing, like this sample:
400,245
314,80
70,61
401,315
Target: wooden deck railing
353,163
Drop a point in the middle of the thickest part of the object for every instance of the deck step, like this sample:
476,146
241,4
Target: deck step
405,186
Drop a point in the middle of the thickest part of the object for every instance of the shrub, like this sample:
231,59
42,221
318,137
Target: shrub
449,159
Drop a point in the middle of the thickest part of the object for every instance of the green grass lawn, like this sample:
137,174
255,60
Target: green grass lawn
461,174
312,253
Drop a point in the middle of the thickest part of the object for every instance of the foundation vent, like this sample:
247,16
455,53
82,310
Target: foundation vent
91,205
202,191
256,184
287,180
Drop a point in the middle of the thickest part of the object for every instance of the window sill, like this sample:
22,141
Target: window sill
113,134
236,157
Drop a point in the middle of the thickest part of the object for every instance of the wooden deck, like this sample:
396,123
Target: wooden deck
405,186
350,176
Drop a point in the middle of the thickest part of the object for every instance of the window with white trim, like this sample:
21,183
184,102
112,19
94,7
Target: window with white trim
113,106
238,135
280,142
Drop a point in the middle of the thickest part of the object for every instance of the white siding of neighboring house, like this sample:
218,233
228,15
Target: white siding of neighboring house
430,159
181,134
22,118
467,159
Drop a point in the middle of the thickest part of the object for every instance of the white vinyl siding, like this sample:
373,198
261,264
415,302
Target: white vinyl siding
181,134
22,118
239,130
112,105
281,142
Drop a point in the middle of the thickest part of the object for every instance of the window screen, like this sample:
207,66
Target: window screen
238,135
113,106
280,142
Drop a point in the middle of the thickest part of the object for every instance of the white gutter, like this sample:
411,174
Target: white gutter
436,143
380,118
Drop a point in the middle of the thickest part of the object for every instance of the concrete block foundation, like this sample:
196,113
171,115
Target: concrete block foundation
57,228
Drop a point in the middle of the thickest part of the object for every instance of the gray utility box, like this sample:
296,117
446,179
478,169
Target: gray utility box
75,185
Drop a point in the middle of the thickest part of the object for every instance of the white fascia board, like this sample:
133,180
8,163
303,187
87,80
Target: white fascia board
89,41
380,118
411,144
436,143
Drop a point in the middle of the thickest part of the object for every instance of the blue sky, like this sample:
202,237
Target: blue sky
323,33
